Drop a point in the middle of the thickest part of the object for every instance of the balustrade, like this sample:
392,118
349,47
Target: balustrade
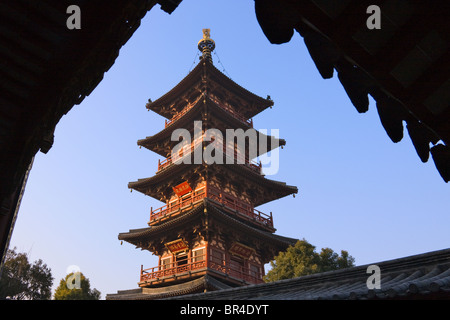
225,106
161,271
197,263
230,203
183,153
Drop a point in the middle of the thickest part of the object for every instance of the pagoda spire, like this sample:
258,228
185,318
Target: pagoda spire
206,45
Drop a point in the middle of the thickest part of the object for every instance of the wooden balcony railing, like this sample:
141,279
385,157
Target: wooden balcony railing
243,273
183,153
161,271
229,202
243,209
196,264
225,106
179,204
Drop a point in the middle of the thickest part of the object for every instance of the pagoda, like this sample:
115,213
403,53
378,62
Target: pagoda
208,234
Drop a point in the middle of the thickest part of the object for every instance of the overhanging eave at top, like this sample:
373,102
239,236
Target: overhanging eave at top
47,69
404,65
200,78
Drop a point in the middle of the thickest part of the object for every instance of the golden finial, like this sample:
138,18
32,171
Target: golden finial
206,33
206,45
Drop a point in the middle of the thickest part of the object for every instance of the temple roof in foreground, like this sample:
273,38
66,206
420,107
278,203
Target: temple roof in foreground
153,186
423,276
404,66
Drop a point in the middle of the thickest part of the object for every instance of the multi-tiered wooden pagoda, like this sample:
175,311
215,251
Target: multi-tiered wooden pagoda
208,234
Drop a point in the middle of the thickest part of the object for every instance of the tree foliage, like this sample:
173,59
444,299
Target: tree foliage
21,280
302,259
76,286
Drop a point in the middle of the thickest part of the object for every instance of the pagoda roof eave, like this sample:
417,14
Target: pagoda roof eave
201,284
166,133
260,102
190,116
195,76
143,185
191,78
174,170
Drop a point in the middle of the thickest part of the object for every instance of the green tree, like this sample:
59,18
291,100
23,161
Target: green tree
21,280
76,287
301,259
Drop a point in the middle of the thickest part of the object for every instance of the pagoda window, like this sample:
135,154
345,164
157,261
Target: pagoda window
185,199
185,196
181,258
174,205
165,263
199,193
198,254
236,264
255,271
217,257
229,199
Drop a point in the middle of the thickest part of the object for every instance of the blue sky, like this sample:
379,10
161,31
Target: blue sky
358,191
